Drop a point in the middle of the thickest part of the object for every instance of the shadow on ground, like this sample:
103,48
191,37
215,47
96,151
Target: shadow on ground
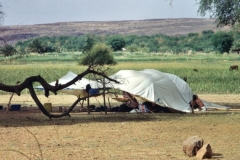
217,156
36,118
19,119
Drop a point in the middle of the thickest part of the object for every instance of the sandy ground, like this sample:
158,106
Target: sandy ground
56,100
31,135
231,100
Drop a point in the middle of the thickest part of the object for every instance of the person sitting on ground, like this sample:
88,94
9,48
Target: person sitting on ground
196,103
132,100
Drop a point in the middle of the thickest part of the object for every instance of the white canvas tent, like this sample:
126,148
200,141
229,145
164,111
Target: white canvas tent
161,88
181,85
154,86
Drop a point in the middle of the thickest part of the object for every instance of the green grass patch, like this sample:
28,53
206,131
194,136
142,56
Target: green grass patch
213,75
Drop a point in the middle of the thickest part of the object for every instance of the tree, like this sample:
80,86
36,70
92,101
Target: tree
1,13
133,48
8,50
226,12
192,34
28,84
116,42
236,43
222,41
99,54
89,42
36,46
207,32
1,19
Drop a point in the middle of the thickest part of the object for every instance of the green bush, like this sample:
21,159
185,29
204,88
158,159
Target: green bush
222,42
116,42
100,54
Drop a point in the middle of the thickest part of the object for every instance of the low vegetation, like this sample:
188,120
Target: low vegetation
206,42
206,73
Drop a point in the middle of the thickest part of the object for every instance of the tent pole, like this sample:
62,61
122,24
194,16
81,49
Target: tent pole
109,103
88,104
104,98
81,107
88,87
191,105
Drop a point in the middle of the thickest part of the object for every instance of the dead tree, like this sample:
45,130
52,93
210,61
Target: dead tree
28,84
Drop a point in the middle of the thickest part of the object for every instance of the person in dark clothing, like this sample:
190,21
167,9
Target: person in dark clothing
196,103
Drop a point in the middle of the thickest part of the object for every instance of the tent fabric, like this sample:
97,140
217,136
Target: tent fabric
156,87
181,85
78,89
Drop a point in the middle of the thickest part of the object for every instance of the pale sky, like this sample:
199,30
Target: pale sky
26,12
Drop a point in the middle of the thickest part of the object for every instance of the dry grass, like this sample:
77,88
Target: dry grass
31,135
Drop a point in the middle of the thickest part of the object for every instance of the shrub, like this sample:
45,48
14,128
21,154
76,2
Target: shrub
100,54
222,42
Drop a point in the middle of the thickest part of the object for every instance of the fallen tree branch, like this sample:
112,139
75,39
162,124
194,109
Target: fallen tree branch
28,83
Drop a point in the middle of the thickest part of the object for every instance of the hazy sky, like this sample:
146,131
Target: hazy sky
25,12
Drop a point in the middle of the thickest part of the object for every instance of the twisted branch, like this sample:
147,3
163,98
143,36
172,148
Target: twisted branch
28,83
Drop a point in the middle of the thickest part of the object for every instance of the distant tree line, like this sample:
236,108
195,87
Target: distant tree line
207,41
225,12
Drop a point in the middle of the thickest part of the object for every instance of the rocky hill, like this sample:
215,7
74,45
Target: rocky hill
137,27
